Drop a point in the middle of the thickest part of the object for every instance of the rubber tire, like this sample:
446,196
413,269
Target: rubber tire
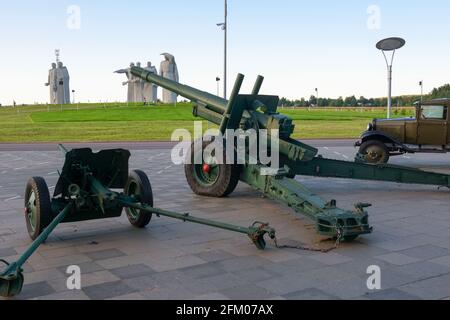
367,144
141,179
227,182
43,206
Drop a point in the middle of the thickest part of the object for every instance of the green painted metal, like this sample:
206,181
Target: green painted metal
11,280
232,112
134,191
320,167
330,220
207,177
258,85
260,112
255,232
31,211
83,192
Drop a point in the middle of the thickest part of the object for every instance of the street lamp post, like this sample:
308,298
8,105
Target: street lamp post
421,91
218,83
224,26
317,97
386,45
73,99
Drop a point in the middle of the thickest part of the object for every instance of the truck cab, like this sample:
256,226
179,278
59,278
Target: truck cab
427,132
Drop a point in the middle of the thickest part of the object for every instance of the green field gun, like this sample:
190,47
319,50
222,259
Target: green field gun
255,111
85,192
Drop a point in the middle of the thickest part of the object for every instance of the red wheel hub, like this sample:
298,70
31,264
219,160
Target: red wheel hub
206,168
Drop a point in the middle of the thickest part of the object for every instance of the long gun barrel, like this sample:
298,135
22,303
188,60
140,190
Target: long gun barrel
215,103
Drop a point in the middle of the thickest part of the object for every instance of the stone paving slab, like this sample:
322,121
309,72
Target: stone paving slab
310,294
175,260
392,294
108,290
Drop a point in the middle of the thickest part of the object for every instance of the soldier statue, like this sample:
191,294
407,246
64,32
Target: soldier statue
63,85
169,70
150,90
52,83
131,82
138,87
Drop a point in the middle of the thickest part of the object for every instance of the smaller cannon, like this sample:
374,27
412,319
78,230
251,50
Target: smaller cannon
84,192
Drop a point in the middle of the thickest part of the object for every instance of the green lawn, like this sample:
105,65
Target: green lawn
122,122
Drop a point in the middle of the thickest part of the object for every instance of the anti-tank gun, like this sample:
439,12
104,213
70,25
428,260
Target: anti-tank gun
85,192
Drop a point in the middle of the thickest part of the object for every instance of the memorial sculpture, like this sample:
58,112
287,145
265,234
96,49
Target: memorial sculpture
150,90
138,87
142,91
169,70
59,83
130,82
63,84
52,83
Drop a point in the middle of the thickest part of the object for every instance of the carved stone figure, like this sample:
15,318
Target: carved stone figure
138,87
169,70
52,83
63,84
130,82
150,90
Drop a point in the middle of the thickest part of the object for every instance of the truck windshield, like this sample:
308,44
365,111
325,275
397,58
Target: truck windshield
434,112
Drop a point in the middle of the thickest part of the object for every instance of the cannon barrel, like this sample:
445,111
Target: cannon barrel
213,102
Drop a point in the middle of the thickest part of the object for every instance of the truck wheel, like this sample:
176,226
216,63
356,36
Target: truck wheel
211,180
138,186
38,212
374,152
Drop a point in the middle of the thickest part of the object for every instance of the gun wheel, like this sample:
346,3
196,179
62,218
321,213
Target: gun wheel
139,187
209,178
38,213
11,287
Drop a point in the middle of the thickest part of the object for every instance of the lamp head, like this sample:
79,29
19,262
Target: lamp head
390,44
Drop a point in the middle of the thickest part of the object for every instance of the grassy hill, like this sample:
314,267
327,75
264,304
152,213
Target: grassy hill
122,122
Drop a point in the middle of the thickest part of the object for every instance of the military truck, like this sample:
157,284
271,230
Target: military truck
427,132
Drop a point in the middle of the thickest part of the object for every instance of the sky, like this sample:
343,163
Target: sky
297,45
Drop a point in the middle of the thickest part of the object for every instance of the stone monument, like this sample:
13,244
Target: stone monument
169,70
150,90
130,82
59,82
52,83
63,84
138,86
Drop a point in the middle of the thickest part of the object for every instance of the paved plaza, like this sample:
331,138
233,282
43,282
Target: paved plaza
175,260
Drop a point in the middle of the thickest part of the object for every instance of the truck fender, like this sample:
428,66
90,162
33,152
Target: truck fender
382,137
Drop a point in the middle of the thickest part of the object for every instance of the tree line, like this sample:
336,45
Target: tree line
401,101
